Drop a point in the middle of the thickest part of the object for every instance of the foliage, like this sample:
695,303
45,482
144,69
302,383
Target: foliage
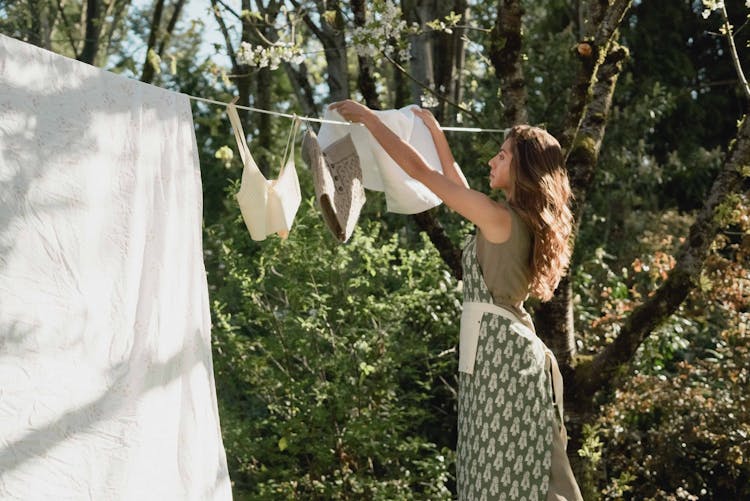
680,427
334,363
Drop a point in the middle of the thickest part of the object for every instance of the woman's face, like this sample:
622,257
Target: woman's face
500,168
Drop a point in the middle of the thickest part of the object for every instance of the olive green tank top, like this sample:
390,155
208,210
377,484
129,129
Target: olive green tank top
506,267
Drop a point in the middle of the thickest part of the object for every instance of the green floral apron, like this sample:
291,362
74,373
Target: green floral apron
505,407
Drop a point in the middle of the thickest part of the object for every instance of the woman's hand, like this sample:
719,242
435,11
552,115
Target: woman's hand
427,117
352,111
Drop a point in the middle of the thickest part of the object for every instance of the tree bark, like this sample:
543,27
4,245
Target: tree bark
170,26
598,29
147,75
420,66
334,44
93,32
506,42
366,77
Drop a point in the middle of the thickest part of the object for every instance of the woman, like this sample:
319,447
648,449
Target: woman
511,438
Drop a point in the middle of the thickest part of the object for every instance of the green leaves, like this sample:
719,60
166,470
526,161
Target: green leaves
334,351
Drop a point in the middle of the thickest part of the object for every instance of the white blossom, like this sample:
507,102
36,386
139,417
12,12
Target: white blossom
429,101
269,56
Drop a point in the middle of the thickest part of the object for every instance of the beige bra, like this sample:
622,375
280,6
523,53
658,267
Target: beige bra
268,205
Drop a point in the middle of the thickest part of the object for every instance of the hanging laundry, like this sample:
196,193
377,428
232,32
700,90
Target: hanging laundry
337,177
106,377
380,172
267,206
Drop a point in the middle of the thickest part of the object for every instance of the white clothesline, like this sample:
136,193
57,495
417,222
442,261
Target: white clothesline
322,120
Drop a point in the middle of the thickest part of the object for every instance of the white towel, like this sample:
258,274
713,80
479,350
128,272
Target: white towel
380,172
106,378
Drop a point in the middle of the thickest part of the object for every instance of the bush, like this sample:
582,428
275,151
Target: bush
334,363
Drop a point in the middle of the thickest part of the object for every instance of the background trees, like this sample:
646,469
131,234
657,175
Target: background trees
336,364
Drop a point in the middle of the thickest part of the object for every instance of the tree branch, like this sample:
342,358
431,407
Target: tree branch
450,253
148,72
601,372
302,88
117,7
68,30
228,8
308,21
170,26
733,51
225,33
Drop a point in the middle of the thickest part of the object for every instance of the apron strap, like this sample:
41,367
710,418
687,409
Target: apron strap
557,382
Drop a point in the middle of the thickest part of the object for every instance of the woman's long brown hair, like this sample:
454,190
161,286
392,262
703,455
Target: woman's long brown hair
540,193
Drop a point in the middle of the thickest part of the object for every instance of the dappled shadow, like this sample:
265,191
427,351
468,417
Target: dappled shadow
55,115
121,394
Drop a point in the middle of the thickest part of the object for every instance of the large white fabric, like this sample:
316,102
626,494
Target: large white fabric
380,172
106,378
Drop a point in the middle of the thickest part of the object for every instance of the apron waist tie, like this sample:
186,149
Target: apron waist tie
471,319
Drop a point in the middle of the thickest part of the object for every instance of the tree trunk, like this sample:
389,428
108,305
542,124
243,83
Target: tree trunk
420,66
264,139
460,59
366,78
149,71
506,43
598,26
263,91
334,44
554,319
590,103
93,31
448,60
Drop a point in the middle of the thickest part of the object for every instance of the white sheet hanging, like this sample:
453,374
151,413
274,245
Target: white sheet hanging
106,378
380,172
